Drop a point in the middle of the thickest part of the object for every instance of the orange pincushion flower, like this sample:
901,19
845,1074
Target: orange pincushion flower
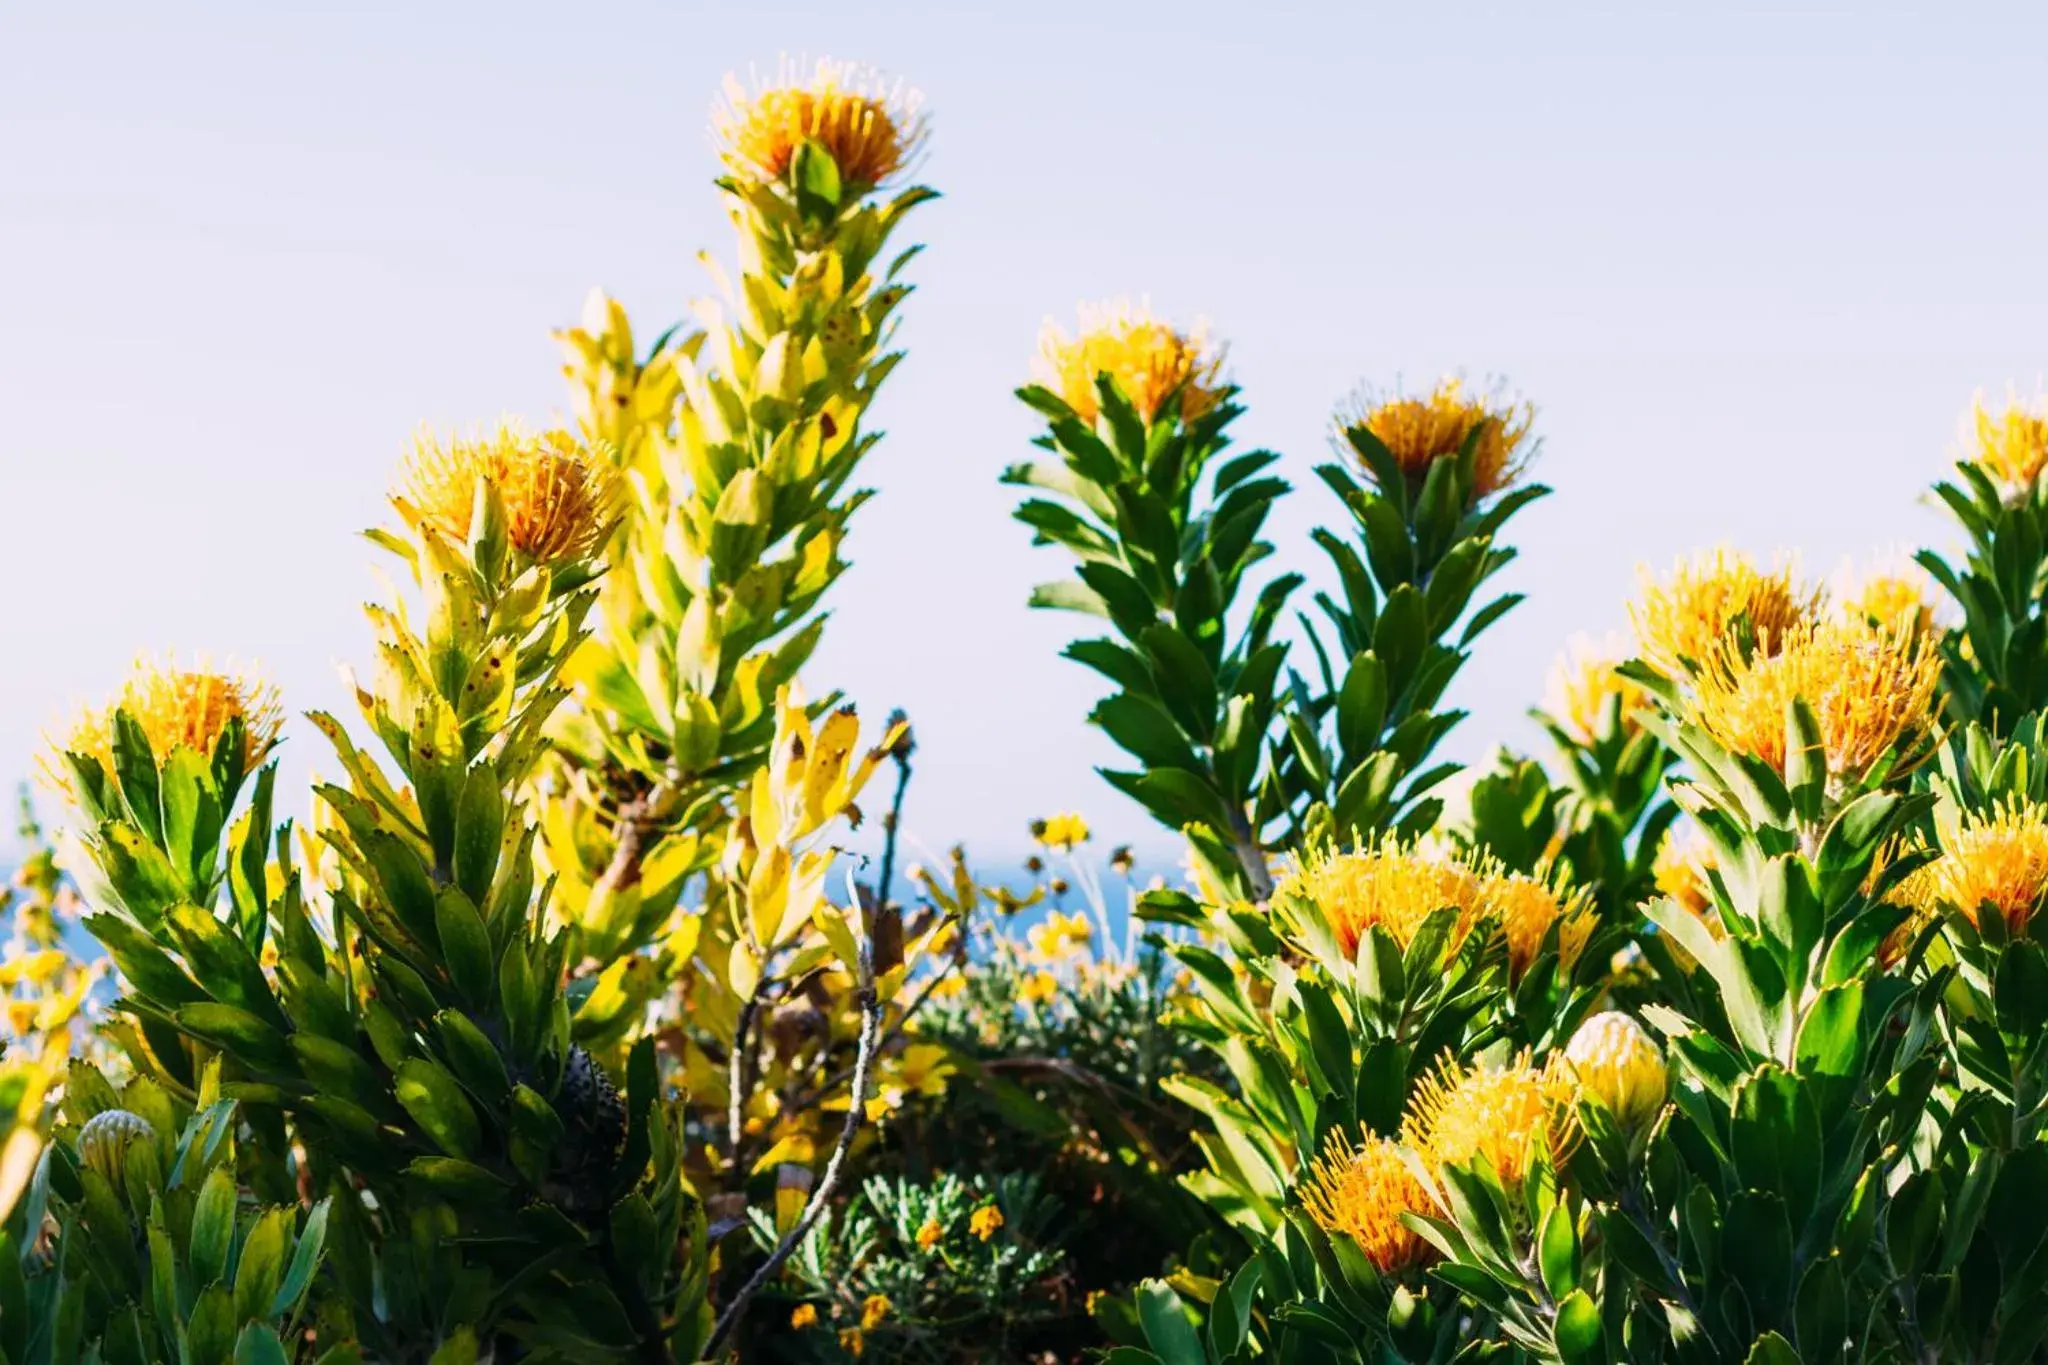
1527,906
1510,1115
2010,445
1420,429
1392,885
560,501
1869,688
1361,1190
1150,361
1687,620
1998,859
1584,683
873,128
177,708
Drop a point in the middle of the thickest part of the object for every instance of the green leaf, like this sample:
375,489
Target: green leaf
1772,1349
472,1056
479,832
135,769
1168,1330
465,945
192,814
305,1261
1577,1331
1558,1252
436,1102
213,1228
260,1269
258,1345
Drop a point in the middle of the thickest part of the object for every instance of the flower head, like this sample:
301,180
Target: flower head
1689,618
1389,885
1584,683
1997,858
561,501
1064,832
1509,1115
1897,594
853,1342
1151,361
2010,445
1038,987
1060,936
1527,906
177,709
1615,1060
1420,429
872,127
1870,688
873,1310
929,1234
802,1316
985,1222
1361,1191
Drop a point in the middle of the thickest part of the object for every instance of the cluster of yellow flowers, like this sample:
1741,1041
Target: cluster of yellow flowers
1396,886
1687,620
188,708
2011,444
1998,858
1507,1116
873,127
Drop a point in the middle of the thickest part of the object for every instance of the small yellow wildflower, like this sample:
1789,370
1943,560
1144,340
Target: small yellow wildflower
1060,936
1064,832
1361,1190
929,1235
1584,683
560,501
1391,885
1685,621
1093,1301
1507,1114
873,1310
1149,360
1038,987
1420,429
21,1016
1869,687
177,709
986,1221
872,127
1615,1060
804,1315
2010,445
1999,858
853,1342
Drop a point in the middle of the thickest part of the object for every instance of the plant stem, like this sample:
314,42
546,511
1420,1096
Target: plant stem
814,1209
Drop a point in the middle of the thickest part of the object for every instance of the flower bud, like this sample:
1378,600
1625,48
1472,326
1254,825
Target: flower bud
1618,1062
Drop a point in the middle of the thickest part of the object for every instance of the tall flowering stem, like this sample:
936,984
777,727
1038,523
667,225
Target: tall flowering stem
1992,659
738,445
1139,491
1429,480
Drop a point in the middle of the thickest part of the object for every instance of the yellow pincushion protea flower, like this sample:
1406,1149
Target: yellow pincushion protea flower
1510,1115
1583,683
1150,361
1420,429
1527,906
176,708
2011,445
561,501
1616,1061
1898,594
1999,858
1687,619
1361,1190
873,127
1391,885
1680,870
1870,688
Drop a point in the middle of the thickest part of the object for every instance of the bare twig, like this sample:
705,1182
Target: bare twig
814,1209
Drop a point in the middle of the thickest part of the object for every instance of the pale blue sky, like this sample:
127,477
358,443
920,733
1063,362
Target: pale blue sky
1751,263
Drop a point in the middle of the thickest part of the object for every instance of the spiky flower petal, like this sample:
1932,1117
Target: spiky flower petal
1361,1190
176,708
561,501
1897,593
1510,1115
1688,619
1527,906
1420,429
1584,683
2011,444
1150,360
1997,858
1870,688
1616,1061
873,127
